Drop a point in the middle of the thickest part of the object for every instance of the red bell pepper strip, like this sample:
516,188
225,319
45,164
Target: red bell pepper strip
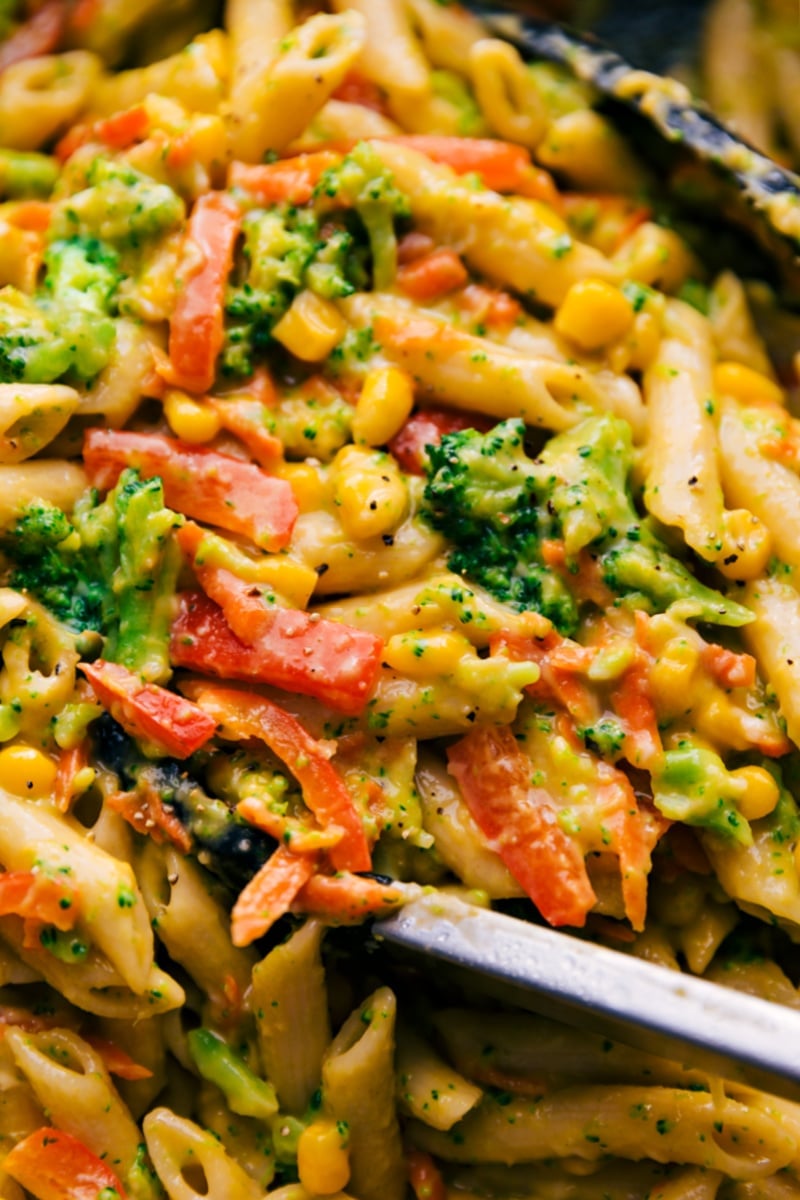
425,1177
244,417
150,712
490,307
71,762
196,330
426,428
146,812
118,132
520,823
201,483
290,181
347,898
35,896
432,276
40,34
116,1060
269,894
247,715
54,1165
325,659
356,89
502,166
729,669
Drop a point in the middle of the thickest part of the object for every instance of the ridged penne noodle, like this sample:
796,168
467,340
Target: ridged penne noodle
507,92
637,1122
40,97
751,480
55,481
735,335
447,33
112,912
338,121
272,103
177,1147
196,76
683,485
178,899
392,57
31,415
70,1081
455,368
290,1001
509,240
358,1088
427,1088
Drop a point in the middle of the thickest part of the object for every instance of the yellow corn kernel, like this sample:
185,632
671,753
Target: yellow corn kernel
593,314
746,385
369,492
26,771
423,654
746,545
761,794
292,580
323,1163
310,487
311,328
384,405
189,419
671,674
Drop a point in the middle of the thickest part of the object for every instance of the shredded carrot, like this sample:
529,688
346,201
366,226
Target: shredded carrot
144,810
425,1177
269,895
70,764
116,1060
727,668
346,897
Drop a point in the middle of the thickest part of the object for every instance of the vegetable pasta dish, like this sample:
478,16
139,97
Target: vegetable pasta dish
396,493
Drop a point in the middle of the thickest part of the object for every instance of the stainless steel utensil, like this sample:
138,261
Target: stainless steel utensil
737,1036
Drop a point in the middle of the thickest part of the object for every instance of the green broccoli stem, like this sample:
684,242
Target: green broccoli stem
23,175
650,571
245,1093
144,583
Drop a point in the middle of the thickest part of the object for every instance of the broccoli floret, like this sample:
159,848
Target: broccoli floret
82,276
497,505
119,205
483,494
46,551
362,183
113,568
285,253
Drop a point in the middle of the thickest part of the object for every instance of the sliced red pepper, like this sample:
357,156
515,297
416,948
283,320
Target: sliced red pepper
730,670
54,1165
196,328
435,275
520,823
489,307
346,898
201,483
247,715
356,89
331,661
269,895
425,1177
116,1060
502,166
71,762
290,181
149,712
35,896
145,811
118,132
426,428
40,34
244,417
